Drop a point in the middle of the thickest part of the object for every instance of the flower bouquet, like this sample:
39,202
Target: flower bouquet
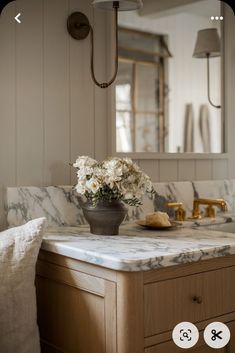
106,187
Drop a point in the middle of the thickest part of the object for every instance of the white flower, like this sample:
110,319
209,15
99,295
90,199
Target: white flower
80,188
119,179
84,161
93,185
128,196
149,185
128,160
83,172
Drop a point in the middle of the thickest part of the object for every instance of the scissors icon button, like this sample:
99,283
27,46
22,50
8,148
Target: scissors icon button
217,335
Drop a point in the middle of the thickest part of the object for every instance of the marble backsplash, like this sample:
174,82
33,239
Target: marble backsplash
60,204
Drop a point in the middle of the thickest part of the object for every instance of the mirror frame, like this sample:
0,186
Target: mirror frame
111,108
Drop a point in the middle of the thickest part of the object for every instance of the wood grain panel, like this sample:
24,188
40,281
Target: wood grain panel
167,336
200,347
159,303
130,330
81,266
188,269
71,277
29,93
56,93
69,317
110,317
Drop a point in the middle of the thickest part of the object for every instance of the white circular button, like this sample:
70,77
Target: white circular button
217,335
185,335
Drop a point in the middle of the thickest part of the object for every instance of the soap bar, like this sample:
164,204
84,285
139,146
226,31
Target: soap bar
158,219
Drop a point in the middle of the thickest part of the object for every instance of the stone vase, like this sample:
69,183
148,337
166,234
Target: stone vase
104,218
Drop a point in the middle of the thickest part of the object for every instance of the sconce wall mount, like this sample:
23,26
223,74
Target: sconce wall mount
78,25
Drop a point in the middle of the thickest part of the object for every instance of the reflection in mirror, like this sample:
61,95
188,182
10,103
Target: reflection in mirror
162,90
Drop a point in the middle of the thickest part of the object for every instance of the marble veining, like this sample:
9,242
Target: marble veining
60,204
137,249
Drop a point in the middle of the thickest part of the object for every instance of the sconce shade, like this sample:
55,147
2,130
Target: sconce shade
123,5
207,43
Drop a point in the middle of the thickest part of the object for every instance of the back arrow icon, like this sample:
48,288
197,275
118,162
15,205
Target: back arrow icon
17,18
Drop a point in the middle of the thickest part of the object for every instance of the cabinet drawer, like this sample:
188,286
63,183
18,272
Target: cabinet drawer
200,347
191,298
171,347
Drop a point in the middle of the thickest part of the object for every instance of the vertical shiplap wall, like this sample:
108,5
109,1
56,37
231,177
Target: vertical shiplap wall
50,111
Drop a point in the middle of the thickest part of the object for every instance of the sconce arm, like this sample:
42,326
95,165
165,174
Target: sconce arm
208,83
105,84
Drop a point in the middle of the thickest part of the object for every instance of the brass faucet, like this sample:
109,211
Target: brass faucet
210,211
180,213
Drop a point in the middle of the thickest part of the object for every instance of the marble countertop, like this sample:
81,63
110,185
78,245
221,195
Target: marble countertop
138,249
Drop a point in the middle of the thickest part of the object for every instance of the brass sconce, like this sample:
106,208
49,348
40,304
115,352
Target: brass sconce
79,28
207,46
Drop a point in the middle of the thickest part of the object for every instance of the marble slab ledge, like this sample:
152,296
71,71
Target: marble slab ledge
136,249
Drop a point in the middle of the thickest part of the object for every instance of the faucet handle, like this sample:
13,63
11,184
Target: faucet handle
210,211
180,213
224,206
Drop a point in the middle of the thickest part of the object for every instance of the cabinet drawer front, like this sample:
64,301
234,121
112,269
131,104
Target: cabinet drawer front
171,347
191,298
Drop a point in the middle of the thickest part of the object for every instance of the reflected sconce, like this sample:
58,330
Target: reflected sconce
79,28
207,46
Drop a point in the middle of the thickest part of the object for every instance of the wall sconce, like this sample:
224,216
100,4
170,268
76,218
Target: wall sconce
207,46
79,28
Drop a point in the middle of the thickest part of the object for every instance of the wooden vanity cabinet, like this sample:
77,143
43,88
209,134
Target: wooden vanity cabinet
83,308
201,347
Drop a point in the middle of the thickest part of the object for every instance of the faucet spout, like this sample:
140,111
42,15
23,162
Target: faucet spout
210,212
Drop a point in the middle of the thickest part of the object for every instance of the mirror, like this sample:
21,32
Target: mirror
161,88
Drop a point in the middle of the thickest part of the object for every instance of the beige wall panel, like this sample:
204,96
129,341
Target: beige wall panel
186,170
7,103
230,87
219,169
168,170
100,95
56,93
203,169
29,93
81,90
151,167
